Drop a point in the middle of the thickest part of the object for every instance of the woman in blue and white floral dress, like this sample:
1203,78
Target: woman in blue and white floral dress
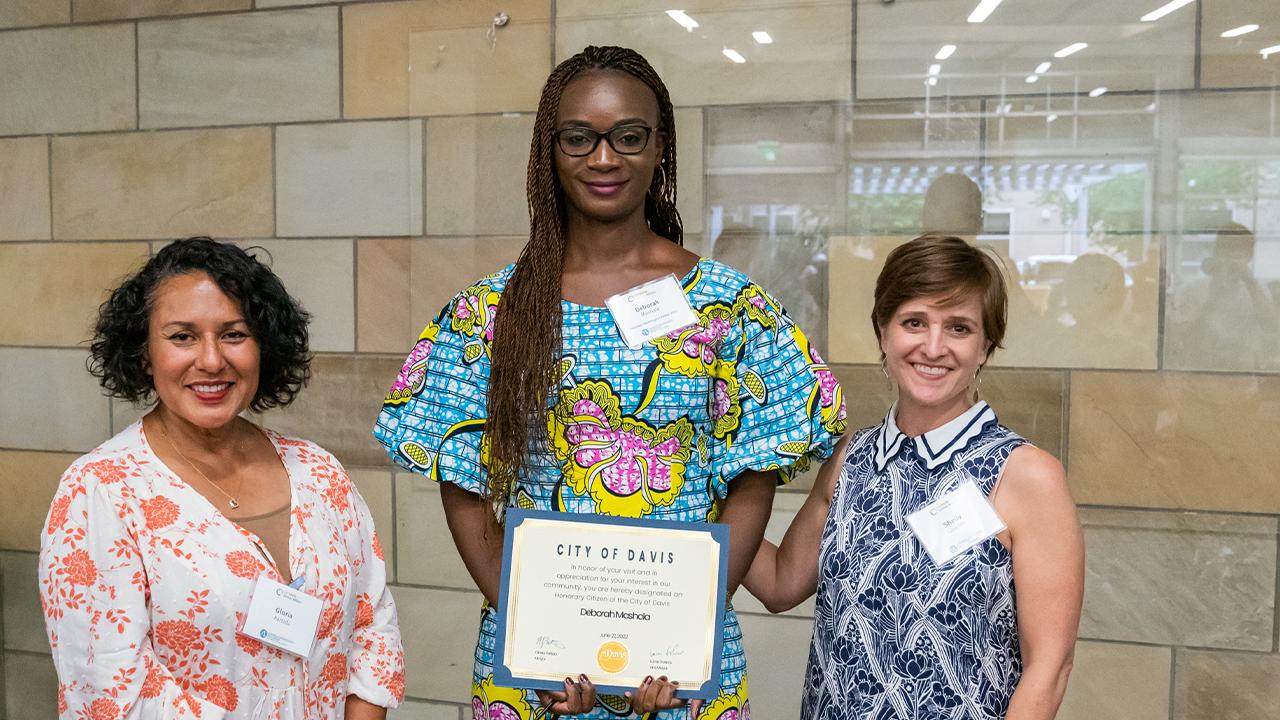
523,393
898,635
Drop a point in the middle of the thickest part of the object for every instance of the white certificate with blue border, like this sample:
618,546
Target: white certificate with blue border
616,599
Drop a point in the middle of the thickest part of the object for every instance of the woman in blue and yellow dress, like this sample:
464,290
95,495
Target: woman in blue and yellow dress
523,393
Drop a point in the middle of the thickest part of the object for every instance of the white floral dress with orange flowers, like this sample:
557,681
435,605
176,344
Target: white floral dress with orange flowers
144,584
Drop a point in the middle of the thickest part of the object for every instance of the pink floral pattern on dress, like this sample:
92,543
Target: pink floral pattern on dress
409,380
144,585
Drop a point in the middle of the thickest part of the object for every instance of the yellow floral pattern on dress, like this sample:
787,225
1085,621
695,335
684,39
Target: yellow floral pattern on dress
627,466
728,706
494,702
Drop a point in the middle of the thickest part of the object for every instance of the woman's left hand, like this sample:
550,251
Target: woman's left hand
577,698
654,695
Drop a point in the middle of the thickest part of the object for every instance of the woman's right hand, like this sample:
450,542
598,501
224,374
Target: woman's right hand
577,697
655,694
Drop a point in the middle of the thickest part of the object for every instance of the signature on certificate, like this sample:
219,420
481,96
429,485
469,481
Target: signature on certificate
668,651
546,641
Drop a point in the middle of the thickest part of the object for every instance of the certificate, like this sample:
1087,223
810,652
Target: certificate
614,599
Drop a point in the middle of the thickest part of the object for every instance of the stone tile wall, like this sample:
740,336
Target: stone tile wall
375,152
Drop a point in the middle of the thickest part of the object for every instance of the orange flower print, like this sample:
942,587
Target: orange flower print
336,491
377,545
154,684
104,709
243,564
106,471
335,670
330,618
160,512
62,699
58,514
221,692
394,683
79,568
177,635
364,612
248,645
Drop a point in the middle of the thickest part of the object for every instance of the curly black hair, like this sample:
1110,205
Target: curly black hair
276,320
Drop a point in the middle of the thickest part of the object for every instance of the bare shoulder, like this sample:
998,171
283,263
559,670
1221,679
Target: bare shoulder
1034,481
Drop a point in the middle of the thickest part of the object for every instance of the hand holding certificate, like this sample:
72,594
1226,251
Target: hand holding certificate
618,600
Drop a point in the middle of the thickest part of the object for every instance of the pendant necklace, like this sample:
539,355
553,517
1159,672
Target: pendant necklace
231,501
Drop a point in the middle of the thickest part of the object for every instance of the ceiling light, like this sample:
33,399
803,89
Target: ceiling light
734,55
1051,118
933,81
934,69
762,37
1032,78
685,21
1098,91
1043,67
947,51
1165,9
1242,30
1071,49
1006,108
984,10
1269,51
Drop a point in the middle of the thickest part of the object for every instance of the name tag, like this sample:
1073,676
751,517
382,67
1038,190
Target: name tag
651,310
954,523
282,617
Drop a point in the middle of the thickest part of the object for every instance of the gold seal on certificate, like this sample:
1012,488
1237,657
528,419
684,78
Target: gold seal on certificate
616,599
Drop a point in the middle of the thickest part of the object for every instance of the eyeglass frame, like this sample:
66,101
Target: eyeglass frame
648,134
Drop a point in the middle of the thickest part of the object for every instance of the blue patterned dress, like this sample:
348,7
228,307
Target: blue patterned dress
655,432
896,636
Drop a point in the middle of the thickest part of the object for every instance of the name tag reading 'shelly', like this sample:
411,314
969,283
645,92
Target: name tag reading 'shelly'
282,617
955,522
651,310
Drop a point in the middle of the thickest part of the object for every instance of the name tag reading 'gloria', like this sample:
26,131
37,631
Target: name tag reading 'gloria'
651,310
282,617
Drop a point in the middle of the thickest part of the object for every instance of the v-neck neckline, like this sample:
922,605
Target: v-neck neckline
251,537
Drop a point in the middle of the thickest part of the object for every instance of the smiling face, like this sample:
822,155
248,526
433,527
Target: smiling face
605,185
932,352
202,358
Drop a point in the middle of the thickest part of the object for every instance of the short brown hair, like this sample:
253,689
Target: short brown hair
942,265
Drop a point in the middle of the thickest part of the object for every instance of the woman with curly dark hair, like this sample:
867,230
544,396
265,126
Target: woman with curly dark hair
525,392
197,565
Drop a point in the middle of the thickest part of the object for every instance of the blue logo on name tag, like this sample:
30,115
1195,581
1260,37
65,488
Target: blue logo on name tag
262,633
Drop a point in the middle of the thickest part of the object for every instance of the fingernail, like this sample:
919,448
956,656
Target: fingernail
627,694
583,678
568,681
675,684
648,678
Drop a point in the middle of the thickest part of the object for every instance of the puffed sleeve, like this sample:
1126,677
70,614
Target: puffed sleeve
376,662
432,419
790,406
94,591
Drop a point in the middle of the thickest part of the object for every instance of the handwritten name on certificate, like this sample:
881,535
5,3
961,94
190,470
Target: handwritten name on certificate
615,599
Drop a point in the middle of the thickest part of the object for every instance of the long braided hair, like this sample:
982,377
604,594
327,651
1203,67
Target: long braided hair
527,327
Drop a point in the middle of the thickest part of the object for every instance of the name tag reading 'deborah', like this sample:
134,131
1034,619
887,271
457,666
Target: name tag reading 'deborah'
282,617
955,522
651,310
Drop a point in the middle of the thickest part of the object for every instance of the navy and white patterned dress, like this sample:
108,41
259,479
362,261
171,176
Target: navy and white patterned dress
895,635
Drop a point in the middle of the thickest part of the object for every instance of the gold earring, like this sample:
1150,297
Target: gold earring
884,368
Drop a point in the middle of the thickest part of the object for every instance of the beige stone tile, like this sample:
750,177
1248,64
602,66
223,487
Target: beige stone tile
25,13
403,283
69,79
23,616
24,189
349,179
777,653
94,10
1111,681
689,170
1174,440
1179,578
432,57
415,710
1123,54
439,641
59,308
28,480
430,557
808,60
286,3
124,414
70,413
31,687
239,69
786,503
1235,62
163,184
476,175
1221,685
320,275
338,408
375,488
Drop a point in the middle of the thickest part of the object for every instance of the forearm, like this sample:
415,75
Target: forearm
477,535
746,512
1040,691
357,709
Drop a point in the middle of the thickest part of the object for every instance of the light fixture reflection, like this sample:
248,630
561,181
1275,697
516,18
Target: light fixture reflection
1269,51
1043,67
984,10
1098,92
762,37
933,81
1242,30
1051,118
734,55
1165,9
935,69
1032,78
681,17
945,52
1071,49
